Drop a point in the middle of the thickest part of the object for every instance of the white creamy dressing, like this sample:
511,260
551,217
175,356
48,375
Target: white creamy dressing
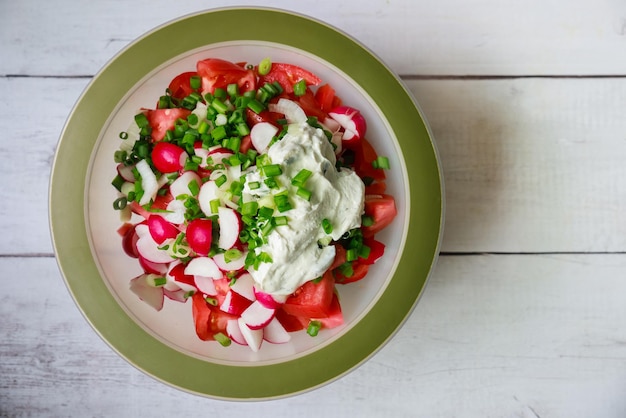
336,195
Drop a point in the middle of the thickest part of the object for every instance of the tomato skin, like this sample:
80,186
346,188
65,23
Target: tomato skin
359,272
218,73
377,249
166,157
208,320
200,236
290,322
325,96
180,86
335,315
312,300
382,209
364,155
162,120
288,75
311,107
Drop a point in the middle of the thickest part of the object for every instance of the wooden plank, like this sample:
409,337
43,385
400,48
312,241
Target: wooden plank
530,165
451,37
491,336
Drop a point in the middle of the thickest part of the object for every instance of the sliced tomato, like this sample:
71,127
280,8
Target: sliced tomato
218,73
180,86
382,209
364,155
335,315
377,249
340,257
162,120
252,118
208,320
288,75
311,107
178,273
359,271
289,322
312,300
325,96
378,187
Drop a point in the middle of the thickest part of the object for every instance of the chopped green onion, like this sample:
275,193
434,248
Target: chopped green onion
282,202
232,89
214,205
346,269
314,328
221,180
325,241
272,170
195,82
381,162
120,156
192,119
299,89
364,251
280,220
232,254
219,105
304,193
123,135
265,212
253,185
367,220
249,208
327,226
193,187
265,66
117,182
222,339
271,183
218,133
233,143
203,127
120,203
211,301
351,254
301,178
141,120
256,106
219,93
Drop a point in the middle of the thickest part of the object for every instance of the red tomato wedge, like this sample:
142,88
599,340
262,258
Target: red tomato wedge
364,155
312,300
209,320
218,73
325,96
335,315
359,271
180,86
162,120
377,249
311,107
288,75
382,209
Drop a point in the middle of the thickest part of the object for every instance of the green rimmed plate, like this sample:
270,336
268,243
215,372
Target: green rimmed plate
163,344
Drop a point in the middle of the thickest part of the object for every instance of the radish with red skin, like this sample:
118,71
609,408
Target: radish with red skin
200,236
177,295
176,274
180,186
234,303
126,172
257,316
205,284
208,193
244,285
268,300
217,155
160,229
149,249
351,121
230,226
252,337
234,332
129,242
275,333
151,267
168,157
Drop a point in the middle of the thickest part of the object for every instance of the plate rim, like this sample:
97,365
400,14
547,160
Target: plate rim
102,308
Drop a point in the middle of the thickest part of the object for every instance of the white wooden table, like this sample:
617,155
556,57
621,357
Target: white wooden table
525,315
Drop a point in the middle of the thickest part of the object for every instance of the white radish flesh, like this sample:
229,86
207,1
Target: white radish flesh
275,333
153,296
232,265
244,285
203,266
149,182
257,316
252,337
180,186
208,192
261,135
230,226
149,249
234,332
292,111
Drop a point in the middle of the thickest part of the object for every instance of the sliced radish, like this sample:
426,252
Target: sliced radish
126,172
203,266
252,337
268,300
208,193
351,120
178,279
234,303
129,242
244,285
205,284
149,182
275,333
152,295
261,135
292,111
199,234
203,153
168,157
217,154
231,265
180,186
234,332
257,316
230,227
150,267
160,229
178,295
175,212
149,249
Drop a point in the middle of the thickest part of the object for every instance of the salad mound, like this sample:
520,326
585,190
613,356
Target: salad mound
252,191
